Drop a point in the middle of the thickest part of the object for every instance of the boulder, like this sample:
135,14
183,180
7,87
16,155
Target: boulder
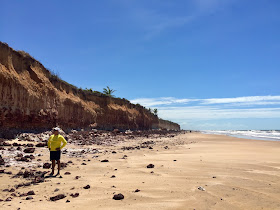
57,197
29,150
118,196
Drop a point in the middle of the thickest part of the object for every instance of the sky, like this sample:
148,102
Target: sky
205,64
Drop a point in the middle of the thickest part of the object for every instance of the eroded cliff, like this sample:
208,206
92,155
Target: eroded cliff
32,98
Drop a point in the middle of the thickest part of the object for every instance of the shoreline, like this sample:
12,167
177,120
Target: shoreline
240,136
235,173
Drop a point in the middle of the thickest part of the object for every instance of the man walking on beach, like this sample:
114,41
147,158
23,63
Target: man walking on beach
54,145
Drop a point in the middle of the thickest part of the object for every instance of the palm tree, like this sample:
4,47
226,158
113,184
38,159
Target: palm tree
108,92
155,111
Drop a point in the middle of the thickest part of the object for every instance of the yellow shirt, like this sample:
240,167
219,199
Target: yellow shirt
55,142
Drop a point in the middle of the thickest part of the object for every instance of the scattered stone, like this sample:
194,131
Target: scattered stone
201,188
67,201
47,165
27,174
67,173
29,150
83,164
150,166
118,196
56,190
214,177
31,193
86,187
14,195
113,176
9,199
12,190
152,172
174,160
103,161
57,197
2,162
29,198
74,195
41,144
137,190
63,165
77,177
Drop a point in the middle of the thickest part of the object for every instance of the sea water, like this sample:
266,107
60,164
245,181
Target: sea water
272,135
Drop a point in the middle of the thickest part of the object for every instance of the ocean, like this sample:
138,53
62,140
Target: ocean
272,135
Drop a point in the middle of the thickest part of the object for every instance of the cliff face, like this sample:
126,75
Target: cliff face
32,98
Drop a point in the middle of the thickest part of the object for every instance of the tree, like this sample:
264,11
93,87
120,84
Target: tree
155,111
108,91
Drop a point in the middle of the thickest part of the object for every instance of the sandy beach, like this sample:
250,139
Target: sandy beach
191,171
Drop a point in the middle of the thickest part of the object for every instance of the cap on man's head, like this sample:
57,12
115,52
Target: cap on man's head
56,129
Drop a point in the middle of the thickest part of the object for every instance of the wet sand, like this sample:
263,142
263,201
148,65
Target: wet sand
231,173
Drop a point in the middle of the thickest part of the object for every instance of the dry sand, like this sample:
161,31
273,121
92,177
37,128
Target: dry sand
235,173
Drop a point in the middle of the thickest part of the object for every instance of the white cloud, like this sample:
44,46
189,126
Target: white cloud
238,101
210,113
151,102
261,100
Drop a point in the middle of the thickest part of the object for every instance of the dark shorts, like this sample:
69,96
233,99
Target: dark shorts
55,155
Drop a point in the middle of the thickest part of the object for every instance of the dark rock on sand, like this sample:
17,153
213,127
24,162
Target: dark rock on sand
63,165
31,192
9,199
47,165
103,161
27,174
113,176
118,196
86,187
41,144
67,201
150,166
74,195
67,173
29,198
137,190
29,150
57,197
2,162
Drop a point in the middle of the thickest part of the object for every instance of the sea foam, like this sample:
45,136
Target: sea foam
272,135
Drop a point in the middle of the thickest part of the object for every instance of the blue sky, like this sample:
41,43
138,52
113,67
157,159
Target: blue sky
206,64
